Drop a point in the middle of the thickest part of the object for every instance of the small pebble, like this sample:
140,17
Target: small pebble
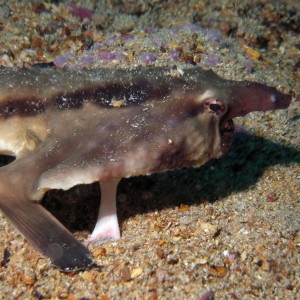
160,252
162,275
207,296
28,276
125,274
136,272
99,252
209,229
172,260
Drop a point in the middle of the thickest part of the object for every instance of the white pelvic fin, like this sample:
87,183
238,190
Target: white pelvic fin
107,226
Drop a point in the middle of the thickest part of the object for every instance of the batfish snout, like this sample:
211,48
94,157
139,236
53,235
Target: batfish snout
251,96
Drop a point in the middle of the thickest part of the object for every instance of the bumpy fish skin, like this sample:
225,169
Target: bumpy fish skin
72,127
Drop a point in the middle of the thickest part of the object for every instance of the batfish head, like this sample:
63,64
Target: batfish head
230,99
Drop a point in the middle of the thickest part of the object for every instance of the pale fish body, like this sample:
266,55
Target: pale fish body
77,127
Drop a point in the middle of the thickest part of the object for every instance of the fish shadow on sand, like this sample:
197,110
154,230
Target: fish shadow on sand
238,170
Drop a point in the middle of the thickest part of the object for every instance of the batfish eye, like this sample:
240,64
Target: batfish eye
214,106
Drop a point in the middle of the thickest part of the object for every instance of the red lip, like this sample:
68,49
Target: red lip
227,131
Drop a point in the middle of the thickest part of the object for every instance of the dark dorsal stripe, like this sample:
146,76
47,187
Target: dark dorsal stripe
132,94
133,90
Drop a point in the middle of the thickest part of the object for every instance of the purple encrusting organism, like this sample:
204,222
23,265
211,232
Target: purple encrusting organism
119,56
155,45
80,12
86,60
212,59
148,57
248,64
62,61
174,55
111,40
191,28
149,29
110,56
98,46
106,55
128,38
174,30
158,42
213,36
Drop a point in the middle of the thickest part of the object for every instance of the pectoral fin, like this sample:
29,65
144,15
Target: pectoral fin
46,234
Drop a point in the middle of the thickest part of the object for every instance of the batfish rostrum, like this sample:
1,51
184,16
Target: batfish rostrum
68,127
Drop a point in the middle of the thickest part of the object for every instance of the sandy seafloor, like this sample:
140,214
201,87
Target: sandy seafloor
228,230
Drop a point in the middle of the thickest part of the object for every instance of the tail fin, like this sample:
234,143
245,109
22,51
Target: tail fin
46,234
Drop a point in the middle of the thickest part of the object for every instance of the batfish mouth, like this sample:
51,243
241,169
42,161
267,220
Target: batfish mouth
227,131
